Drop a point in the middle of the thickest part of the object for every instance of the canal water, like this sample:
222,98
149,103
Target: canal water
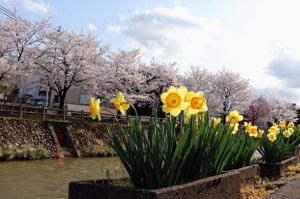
49,179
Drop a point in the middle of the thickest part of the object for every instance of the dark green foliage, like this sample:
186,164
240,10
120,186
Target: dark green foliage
295,137
172,152
276,151
244,148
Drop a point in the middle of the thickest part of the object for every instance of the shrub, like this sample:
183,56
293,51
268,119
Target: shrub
42,152
9,155
277,144
93,150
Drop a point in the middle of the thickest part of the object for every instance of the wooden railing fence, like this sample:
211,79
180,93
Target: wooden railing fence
46,113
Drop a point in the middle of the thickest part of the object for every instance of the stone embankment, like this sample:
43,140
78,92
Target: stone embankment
31,139
25,139
89,138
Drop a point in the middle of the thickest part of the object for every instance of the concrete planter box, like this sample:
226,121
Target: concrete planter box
296,152
276,170
248,173
226,185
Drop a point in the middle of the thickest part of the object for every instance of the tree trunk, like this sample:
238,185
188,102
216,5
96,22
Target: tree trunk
62,98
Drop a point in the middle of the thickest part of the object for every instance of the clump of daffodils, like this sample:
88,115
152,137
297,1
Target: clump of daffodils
288,132
278,142
274,130
253,131
175,101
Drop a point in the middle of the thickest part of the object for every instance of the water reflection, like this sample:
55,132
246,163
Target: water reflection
45,179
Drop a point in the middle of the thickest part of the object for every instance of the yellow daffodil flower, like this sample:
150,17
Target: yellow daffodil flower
196,102
274,129
290,131
286,133
291,125
120,103
260,133
282,124
271,137
174,100
216,121
248,126
94,108
253,132
234,117
234,127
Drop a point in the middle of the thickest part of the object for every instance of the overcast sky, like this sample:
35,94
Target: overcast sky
258,38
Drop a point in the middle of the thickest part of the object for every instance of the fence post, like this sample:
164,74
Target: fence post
21,111
44,113
81,116
64,113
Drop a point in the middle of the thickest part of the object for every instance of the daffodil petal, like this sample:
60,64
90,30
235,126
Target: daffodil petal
165,109
199,94
172,89
204,108
182,92
192,111
190,95
125,106
163,97
184,105
122,111
175,112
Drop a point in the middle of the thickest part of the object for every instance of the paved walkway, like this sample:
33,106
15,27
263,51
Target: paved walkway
288,189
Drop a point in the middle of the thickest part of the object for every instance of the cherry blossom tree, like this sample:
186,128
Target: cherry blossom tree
199,79
158,77
282,109
122,73
20,40
139,82
68,60
231,91
259,110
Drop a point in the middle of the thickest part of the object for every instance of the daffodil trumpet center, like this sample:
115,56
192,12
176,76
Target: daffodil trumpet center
173,100
117,107
91,109
197,102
